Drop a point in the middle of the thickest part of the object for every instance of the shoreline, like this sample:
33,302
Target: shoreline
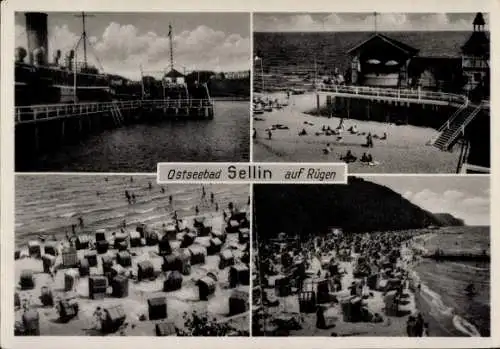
456,325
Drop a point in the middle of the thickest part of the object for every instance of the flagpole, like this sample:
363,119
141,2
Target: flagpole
142,83
262,74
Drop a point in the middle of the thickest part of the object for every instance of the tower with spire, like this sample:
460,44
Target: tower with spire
476,55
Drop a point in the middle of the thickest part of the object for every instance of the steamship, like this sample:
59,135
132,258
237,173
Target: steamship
39,81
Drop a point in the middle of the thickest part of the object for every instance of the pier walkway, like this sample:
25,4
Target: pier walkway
394,95
448,133
34,114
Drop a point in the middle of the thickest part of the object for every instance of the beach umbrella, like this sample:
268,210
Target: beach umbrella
391,63
373,61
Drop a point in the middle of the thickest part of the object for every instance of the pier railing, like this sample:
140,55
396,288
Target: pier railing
45,112
399,94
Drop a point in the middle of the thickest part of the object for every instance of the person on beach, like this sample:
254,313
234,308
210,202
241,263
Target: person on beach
150,186
369,140
254,134
470,290
98,315
216,207
364,158
170,199
426,330
80,222
212,198
162,190
410,326
127,195
131,179
133,198
348,157
203,193
197,210
269,134
327,149
419,325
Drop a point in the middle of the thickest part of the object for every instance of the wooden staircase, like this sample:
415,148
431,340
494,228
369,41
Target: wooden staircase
455,126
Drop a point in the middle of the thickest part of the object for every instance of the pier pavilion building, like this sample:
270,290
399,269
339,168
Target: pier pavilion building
382,61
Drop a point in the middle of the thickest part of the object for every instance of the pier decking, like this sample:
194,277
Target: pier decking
394,95
195,108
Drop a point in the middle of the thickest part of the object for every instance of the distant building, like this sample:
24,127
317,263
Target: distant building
245,74
385,62
174,77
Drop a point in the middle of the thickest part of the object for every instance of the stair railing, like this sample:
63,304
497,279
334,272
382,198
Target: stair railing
461,129
450,120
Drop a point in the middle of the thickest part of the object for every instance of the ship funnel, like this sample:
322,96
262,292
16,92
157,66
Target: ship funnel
57,57
21,54
70,55
36,29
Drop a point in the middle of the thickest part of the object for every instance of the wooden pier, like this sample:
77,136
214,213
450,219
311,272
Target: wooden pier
438,110
43,127
459,256
393,95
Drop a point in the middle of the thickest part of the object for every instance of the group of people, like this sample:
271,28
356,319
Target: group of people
416,327
349,157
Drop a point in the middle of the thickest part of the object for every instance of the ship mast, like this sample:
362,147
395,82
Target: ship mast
171,47
84,37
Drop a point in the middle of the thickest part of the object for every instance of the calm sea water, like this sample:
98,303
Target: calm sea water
138,148
446,281
47,205
329,49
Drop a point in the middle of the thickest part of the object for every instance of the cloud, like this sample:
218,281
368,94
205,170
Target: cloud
475,210
363,22
453,195
123,48
407,195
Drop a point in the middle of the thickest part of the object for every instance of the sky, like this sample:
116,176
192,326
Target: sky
304,22
465,197
122,42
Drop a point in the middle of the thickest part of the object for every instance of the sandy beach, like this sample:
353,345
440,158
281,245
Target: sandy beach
404,150
190,241
377,318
